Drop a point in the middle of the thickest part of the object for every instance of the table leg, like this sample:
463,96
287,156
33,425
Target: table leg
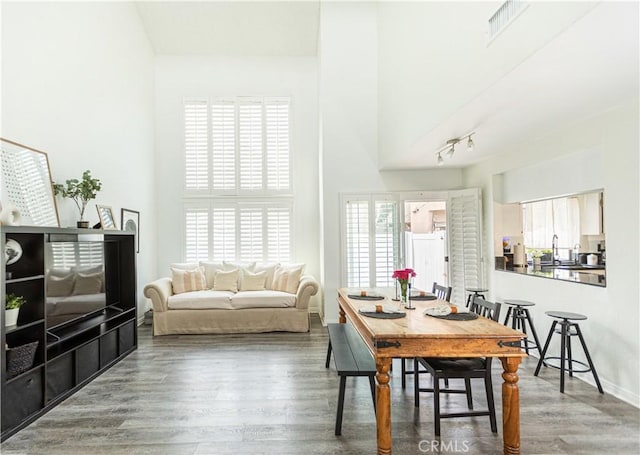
383,406
510,405
342,317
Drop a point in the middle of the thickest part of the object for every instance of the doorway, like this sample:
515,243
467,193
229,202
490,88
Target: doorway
425,242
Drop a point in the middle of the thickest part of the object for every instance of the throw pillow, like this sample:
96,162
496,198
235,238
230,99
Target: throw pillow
269,269
90,283
210,270
226,281
287,278
188,280
60,286
184,265
252,281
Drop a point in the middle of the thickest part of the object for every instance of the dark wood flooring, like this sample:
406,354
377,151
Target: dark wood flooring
271,394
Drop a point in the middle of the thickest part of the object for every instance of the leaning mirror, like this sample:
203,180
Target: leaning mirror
27,192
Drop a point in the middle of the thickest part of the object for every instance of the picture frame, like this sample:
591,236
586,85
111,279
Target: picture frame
107,219
130,221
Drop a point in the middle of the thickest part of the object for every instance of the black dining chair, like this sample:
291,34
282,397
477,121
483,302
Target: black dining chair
462,368
443,293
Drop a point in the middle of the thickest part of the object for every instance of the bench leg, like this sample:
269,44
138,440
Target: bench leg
326,365
343,380
372,384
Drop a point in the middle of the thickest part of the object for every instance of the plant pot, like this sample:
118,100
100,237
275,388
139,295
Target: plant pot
11,316
83,224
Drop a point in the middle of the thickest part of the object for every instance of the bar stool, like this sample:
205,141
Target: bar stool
566,331
473,292
520,317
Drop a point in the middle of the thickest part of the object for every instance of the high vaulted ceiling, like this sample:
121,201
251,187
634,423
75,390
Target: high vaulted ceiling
440,76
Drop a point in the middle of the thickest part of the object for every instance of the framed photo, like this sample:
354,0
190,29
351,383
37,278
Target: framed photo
107,220
130,221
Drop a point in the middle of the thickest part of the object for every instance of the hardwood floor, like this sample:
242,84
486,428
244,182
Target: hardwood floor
271,394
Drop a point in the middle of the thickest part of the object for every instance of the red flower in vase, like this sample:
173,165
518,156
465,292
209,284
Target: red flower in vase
403,275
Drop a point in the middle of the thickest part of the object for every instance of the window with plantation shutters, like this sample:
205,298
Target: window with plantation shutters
370,240
196,145
237,175
465,242
196,234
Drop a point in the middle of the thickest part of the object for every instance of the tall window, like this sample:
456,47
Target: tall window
371,246
238,195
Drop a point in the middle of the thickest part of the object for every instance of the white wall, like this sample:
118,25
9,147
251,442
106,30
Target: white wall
612,330
181,77
77,82
349,135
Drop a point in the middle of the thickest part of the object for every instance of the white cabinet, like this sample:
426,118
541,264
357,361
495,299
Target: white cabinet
591,214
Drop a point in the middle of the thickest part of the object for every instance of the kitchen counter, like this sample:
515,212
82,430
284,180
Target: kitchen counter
594,277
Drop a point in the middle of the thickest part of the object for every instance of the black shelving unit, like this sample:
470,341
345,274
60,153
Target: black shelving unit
70,355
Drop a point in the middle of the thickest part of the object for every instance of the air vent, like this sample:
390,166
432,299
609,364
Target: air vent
507,12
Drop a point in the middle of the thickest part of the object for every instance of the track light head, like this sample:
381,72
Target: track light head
440,160
470,144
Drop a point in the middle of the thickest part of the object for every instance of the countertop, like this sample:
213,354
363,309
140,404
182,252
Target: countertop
576,276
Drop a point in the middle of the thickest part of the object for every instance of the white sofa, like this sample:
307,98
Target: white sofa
223,311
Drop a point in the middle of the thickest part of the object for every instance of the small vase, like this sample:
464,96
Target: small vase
536,263
403,292
11,316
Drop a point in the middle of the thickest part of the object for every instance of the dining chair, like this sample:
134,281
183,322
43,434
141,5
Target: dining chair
443,293
462,368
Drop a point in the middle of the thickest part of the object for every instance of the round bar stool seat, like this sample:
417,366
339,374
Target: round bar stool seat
473,292
520,317
567,330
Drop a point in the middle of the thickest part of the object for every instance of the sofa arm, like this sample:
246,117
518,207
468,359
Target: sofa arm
159,292
308,287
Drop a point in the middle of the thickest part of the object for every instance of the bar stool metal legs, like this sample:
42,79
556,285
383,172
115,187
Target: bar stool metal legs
567,330
520,318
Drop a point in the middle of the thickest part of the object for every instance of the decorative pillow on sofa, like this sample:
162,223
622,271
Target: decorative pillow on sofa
287,278
226,281
188,280
210,270
269,269
228,266
252,281
60,286
88,283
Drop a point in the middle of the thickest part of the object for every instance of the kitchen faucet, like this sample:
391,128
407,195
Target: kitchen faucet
554,250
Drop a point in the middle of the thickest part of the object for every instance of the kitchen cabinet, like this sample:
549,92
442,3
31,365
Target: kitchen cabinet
591,219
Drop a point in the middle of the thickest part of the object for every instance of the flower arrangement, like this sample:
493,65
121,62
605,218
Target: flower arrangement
403,276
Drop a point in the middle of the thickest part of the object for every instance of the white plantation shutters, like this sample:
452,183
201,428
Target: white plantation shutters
250,144
277,144
196,145
465,242
71,254
196,234
224,230
237,158
357,248
223,145
370,240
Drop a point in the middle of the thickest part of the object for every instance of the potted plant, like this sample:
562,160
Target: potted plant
12,308
536,256
81,191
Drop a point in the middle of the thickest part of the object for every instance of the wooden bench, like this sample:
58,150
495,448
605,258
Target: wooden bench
352,358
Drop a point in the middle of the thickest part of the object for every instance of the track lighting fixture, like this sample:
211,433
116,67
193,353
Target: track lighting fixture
450,147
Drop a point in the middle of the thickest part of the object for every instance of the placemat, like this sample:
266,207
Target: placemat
373,314
424,297
457,316
365,297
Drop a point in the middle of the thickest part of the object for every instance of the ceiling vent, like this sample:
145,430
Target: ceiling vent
507,12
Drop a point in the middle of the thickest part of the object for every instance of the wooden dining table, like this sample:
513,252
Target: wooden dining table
418,335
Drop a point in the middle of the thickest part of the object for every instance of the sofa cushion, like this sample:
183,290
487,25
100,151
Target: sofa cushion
269,269
226,281
250,266
201,300
210,270
262,299
252,281
88,283
286,278
60,286
183,265
188,280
